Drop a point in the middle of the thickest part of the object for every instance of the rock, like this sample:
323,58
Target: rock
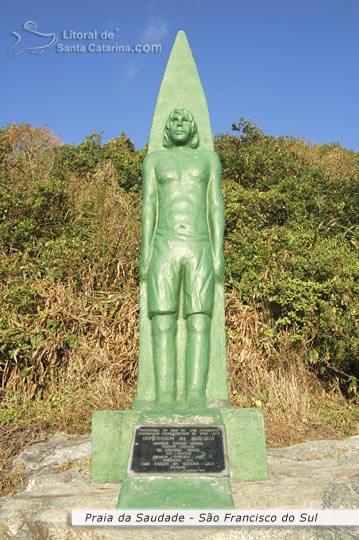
312,475
58,450
342,494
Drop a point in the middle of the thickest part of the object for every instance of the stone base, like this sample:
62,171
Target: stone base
175,492
315,474
112,433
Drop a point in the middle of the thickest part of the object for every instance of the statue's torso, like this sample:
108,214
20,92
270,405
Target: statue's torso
182,180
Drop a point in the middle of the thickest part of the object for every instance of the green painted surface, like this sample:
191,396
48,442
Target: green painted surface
181,87
181,416
112,433
182,352
175,492
246,444
110,444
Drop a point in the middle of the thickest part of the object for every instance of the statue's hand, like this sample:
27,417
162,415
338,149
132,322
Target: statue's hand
218,263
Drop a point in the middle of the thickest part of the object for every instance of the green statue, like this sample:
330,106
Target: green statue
182,352
182,253
182,372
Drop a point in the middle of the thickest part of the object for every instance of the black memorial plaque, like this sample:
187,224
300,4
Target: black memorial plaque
178,449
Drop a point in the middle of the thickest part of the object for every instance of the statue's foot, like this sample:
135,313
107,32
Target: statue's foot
165,401
196,400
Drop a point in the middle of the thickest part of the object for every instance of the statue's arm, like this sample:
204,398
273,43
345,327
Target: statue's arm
149,214
216,216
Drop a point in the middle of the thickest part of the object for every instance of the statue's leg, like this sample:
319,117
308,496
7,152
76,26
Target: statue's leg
164,330
197,358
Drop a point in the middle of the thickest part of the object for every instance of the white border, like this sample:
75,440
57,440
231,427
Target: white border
216,518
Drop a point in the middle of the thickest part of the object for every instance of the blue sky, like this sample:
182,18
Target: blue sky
290,66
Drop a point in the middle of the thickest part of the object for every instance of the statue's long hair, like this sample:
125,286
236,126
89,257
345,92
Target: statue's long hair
194,140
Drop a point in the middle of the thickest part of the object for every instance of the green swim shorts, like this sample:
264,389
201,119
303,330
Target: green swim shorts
177,263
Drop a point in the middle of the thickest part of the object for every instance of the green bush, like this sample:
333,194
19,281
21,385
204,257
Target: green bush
70,214
292,233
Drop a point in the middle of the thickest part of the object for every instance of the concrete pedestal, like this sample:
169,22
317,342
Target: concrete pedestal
112,433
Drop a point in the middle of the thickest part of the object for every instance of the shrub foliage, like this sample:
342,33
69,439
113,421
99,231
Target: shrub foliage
70,233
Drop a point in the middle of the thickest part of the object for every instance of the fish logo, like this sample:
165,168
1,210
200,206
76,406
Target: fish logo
29,40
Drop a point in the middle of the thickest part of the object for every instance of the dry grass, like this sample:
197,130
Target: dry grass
337,161
86,325
100,371
277,379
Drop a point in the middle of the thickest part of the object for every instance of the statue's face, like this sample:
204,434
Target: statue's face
179,129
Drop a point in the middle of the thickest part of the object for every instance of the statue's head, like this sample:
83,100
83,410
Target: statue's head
180,130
